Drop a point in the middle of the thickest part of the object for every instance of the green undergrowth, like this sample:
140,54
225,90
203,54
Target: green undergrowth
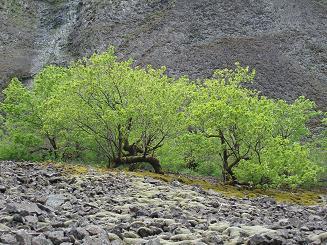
298,196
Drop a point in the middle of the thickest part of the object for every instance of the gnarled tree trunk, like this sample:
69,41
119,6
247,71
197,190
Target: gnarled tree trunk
132,160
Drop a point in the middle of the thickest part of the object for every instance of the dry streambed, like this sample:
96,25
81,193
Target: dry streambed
43,205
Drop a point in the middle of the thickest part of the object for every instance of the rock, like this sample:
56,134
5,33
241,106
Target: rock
155,241
116,242
256,229
23,238
31,219
55,201
3,189
233,231
176,183
134,241
41,240
112,237
57,237
212,237
54,180
156,214
4,228
265,239
144,232
8,239
79,233
155,230
137,224
318,239
181,230
130,234
44,208
18,218
183,237
24,208
219,226
94,230
283,222
101,239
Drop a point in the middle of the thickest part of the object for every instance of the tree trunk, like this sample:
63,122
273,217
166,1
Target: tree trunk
225,171
137,159
53,143
231,175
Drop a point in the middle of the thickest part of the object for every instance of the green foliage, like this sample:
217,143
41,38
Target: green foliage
105,111
256,138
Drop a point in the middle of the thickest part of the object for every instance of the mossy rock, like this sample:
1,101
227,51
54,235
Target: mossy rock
302,197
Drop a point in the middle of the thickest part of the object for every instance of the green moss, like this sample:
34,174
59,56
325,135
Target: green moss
69,169
302,197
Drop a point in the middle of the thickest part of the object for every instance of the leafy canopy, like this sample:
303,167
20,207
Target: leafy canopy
102,110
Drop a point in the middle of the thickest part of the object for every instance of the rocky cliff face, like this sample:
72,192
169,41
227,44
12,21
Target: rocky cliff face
285,40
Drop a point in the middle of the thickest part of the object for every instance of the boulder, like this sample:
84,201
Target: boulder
23,238
55,201
24,208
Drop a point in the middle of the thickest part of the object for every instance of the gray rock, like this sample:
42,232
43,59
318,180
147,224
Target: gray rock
79,233
183,237
134,241
97,240
31,219
155,241
144,232
23,238
24,208
18,218
176,183
319,239
41,240
8,239
55,201
94,230
130,234
4,228
3,189
265,239
57,237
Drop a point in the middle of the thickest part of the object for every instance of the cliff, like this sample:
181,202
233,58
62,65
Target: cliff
285,40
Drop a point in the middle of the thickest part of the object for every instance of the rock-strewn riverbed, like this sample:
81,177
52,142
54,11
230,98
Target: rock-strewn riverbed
42,205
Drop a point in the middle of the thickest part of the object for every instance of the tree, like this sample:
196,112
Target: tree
127,112
24,125
247,127
100,109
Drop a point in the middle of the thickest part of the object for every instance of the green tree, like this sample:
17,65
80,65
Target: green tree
127,112
250,132
100,109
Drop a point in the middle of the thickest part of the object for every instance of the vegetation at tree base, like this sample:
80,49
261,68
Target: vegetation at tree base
102,110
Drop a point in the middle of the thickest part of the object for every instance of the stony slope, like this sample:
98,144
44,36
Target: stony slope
285,40
43,205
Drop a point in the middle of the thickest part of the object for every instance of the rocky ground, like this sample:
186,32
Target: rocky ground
43,205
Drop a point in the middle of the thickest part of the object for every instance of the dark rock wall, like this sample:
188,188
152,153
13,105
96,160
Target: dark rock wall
285,40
